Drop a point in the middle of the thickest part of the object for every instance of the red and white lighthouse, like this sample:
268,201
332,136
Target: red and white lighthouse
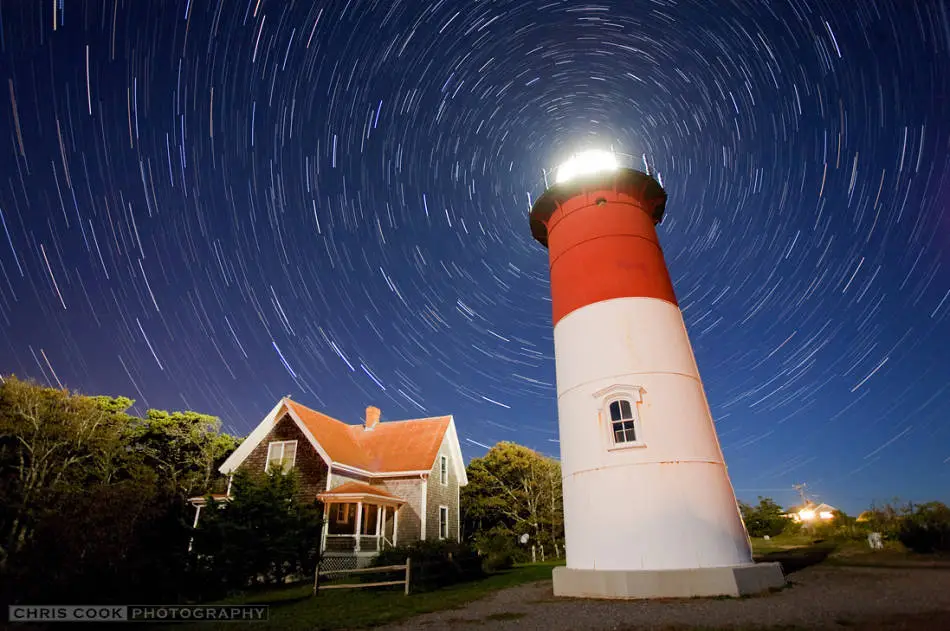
649,510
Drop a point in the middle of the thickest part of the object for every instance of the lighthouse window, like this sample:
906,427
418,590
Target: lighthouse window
622,421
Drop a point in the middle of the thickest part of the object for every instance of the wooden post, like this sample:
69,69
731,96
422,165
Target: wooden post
316,578
408,573
359,525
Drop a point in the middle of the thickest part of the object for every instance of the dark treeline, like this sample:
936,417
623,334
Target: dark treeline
93,500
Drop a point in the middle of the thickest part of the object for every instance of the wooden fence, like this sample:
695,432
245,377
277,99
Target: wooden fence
368,570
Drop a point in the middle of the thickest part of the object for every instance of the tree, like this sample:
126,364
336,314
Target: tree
91,496
513,490
184,447
767,518
52,445
262,535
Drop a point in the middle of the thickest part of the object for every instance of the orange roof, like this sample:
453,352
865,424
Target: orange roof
359,488
389,447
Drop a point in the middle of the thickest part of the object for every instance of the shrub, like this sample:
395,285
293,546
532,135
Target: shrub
434,563
841,527
499,552
927,529
792,527
765,519
263,535
886,519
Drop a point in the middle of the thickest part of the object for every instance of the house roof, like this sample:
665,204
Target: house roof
393,446
359,489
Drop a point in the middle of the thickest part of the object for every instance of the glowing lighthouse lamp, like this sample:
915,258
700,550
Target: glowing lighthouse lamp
649,510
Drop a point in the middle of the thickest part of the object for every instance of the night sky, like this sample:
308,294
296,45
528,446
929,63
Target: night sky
212,204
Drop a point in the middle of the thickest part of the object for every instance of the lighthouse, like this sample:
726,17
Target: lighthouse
649,511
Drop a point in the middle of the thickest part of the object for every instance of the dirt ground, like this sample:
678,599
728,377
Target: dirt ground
817,597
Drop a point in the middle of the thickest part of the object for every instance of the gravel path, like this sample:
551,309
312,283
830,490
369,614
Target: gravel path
818,597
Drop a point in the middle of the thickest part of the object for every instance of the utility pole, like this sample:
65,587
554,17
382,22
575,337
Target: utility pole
801,491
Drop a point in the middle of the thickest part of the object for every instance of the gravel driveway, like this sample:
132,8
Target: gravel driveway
818,597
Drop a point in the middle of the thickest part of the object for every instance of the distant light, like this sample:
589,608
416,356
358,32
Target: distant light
806,515
586,163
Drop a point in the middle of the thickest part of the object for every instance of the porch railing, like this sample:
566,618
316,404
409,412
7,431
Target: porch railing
347,543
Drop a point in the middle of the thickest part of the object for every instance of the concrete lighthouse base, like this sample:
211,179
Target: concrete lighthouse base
740,580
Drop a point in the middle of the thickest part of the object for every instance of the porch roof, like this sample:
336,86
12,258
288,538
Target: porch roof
201,500
358,491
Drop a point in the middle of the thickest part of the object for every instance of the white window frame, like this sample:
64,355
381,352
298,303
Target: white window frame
615,393
444,470
444,525
283,447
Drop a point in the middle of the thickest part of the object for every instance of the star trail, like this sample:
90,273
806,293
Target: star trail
212,204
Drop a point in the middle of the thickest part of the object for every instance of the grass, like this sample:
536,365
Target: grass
856,554
782,542
293,608
797,551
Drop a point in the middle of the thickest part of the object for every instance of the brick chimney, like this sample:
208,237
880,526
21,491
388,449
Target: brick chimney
372,417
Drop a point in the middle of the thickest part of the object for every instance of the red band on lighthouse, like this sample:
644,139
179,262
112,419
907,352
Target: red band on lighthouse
602,242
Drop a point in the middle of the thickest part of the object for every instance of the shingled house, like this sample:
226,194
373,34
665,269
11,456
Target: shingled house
382,484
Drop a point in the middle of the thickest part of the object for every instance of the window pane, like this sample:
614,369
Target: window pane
290,450
624,432
615,411
625,409
274,451
629,432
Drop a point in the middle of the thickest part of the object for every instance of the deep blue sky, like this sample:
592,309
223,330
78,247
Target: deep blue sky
209,205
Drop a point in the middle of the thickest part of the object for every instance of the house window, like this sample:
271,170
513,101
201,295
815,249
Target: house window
443,522
343,513
281,454
623,421
444,470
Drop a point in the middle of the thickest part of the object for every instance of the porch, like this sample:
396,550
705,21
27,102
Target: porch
359,520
